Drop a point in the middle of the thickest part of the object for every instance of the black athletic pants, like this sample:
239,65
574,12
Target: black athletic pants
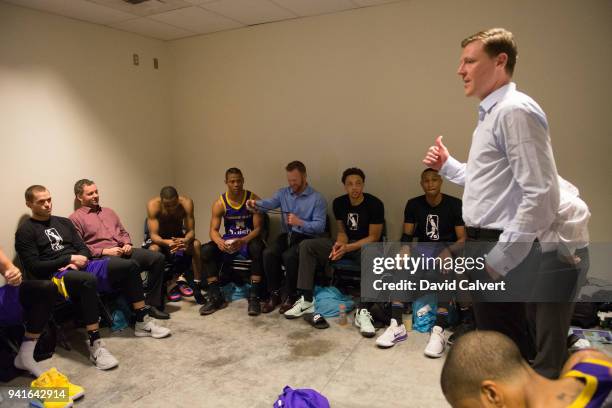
37,298
212,258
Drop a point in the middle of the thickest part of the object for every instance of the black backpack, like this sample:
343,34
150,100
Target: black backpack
585,315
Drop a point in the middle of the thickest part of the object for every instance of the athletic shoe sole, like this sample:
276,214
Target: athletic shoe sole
395,341
366,334
103,368
209,312
294,316
142,333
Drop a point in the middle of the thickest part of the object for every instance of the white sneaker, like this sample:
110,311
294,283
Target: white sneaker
300,307
581,344
100,356
148,327
437,343
363,320
394,334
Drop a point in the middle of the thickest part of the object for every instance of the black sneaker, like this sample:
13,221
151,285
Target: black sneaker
212,304
197,294
254,306
158,314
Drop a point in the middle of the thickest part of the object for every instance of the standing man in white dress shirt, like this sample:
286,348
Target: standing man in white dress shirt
511,191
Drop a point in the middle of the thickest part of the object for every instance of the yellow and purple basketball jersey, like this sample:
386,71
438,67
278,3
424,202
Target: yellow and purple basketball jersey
597,380
238,220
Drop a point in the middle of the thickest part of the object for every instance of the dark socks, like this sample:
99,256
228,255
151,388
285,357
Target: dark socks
307,294
214,289
93,336
141,313
396,313
255,289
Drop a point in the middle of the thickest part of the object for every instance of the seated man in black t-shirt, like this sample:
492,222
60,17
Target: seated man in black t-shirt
360,217
434,218
50,248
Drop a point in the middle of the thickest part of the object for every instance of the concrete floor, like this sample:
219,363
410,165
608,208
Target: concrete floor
229,359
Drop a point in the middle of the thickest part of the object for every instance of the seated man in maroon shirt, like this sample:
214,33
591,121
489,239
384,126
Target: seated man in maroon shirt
104,235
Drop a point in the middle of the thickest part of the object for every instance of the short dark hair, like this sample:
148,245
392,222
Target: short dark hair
428,170
168,193
476,357
30,191
233,170
496,41
79,186
352,171
296,165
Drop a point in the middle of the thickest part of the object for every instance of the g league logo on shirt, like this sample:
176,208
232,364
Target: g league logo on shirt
353,221
55,238
431,227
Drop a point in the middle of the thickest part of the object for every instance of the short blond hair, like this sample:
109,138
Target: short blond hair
496,41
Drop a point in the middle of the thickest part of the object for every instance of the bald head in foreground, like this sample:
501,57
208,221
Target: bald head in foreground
485,369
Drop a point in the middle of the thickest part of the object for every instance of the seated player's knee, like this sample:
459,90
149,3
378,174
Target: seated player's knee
154,248
159,257
305,245
208,252
289,255
256,248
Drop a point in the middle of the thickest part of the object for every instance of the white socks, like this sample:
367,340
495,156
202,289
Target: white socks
25,358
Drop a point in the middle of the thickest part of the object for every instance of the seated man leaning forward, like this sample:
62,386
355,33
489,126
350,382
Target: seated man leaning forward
104,235
360,217
485,369
171,223
50,248
241,237
303,212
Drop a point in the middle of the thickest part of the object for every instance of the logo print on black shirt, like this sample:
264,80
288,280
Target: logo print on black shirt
55,238
352,221
432,227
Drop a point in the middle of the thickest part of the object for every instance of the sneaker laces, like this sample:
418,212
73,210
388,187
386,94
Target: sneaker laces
57,377
101,350
366,314
44,381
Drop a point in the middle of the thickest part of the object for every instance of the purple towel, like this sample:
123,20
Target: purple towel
99,268
11,312
301,398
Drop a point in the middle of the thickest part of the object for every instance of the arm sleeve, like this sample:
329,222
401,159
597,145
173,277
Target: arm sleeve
378,212
319,217
458,213
25,245
529,153
76,222
270,203
337,207
123,234
573,230
409,213
453,171
79,245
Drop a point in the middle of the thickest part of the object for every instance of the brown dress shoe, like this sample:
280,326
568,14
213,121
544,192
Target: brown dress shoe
271,304
287,304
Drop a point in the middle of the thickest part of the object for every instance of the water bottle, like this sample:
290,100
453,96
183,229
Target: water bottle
342,315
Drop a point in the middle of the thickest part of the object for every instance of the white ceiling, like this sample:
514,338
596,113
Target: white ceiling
173,19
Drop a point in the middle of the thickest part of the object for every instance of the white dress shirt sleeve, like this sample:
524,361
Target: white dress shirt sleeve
454,171
524,137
